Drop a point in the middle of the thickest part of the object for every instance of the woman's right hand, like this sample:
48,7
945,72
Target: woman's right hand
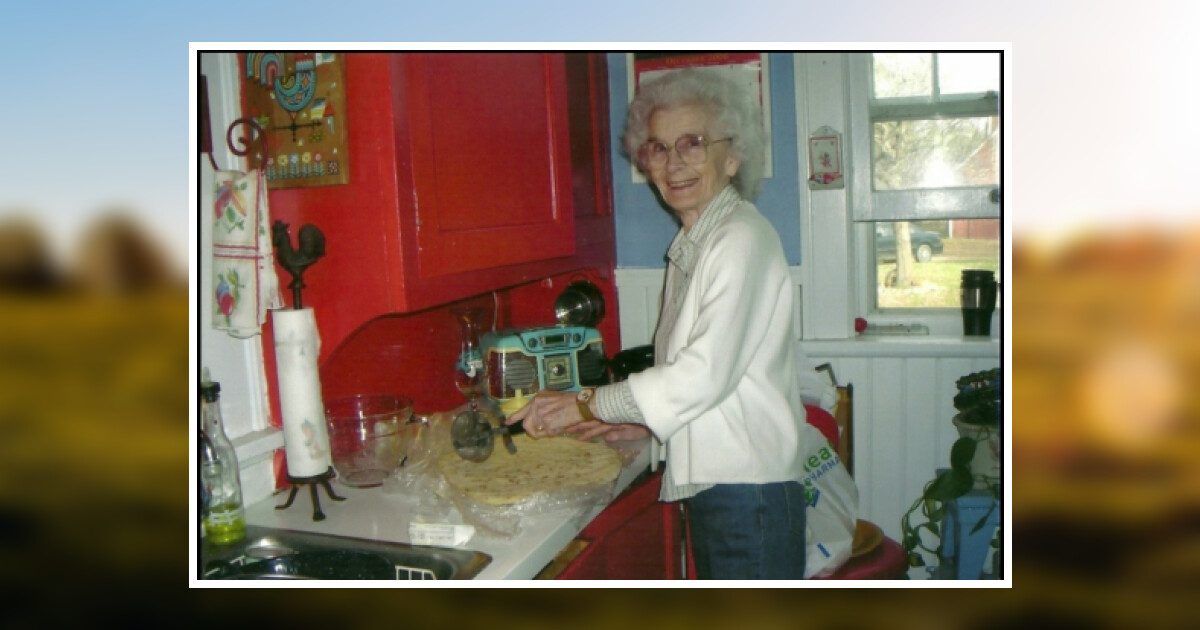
591,429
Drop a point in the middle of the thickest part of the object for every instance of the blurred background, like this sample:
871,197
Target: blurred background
1102,312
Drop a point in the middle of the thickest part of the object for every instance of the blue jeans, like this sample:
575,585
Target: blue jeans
748,531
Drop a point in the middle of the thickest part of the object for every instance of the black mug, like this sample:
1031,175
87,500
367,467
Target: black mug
978,297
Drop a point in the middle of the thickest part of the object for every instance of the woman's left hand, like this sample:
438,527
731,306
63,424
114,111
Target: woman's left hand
548,414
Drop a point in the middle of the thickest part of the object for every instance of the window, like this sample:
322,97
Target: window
938,252
925,143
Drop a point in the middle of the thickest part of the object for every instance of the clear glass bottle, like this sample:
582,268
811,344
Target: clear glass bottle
224,516
469,371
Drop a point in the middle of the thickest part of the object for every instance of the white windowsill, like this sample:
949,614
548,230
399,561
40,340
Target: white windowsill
256,444
903,346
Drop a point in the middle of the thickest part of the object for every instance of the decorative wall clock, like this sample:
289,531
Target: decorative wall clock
298,99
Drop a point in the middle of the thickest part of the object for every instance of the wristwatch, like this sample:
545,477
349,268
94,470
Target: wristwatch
582,399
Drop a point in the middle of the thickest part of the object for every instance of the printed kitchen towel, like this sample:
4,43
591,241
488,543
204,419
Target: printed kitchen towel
245,286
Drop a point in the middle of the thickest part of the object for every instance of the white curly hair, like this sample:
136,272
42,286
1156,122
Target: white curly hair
734,112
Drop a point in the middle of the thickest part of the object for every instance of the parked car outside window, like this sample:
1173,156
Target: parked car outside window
924,243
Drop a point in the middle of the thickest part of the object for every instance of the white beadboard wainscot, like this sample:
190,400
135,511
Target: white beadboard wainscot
903,397
639,296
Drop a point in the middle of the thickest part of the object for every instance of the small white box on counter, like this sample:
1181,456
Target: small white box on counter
440,534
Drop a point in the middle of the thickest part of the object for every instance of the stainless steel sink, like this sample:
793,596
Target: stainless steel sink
267,553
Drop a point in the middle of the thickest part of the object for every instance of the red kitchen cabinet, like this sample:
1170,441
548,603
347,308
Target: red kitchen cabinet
491,166
637,537
468,173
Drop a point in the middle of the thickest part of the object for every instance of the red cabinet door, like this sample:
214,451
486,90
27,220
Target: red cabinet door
469,173
491,160
637,537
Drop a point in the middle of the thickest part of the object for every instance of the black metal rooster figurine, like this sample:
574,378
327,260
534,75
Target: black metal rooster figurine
312,247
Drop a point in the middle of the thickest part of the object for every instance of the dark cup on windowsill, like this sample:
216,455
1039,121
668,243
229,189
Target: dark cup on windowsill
978,297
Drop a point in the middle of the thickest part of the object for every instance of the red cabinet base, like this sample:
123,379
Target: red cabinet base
637,537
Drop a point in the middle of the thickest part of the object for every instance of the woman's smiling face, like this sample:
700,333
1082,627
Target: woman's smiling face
688,188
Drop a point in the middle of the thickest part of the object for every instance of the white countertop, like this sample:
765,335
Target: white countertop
373,514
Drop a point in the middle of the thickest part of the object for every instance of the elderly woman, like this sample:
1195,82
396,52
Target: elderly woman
724,393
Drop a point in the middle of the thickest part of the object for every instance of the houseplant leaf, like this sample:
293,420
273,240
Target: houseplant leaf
983,520
951,484
961,454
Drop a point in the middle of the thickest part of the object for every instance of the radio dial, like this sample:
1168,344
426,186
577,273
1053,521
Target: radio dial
557,370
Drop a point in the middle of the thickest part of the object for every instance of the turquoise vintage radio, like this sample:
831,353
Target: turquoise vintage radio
562,358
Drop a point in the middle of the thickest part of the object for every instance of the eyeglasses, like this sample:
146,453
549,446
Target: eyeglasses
692,149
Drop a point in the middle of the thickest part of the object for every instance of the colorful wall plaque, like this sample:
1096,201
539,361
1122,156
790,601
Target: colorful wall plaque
299,100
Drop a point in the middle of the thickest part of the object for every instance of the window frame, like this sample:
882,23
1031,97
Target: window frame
869,206
965,202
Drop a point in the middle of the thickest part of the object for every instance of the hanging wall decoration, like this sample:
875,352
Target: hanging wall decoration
299,100
825,160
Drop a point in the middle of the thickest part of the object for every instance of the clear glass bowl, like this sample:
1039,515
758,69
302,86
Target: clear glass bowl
369,435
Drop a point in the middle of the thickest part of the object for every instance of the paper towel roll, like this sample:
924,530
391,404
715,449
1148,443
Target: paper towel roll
305,438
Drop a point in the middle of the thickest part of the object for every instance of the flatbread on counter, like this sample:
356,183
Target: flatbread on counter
545,465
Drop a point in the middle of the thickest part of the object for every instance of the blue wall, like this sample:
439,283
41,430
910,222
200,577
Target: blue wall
645,228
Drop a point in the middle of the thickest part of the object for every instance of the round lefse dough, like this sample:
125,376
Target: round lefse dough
545,465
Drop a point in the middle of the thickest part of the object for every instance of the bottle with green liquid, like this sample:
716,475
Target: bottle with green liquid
224,515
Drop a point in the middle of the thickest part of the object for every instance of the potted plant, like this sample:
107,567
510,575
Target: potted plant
974,464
